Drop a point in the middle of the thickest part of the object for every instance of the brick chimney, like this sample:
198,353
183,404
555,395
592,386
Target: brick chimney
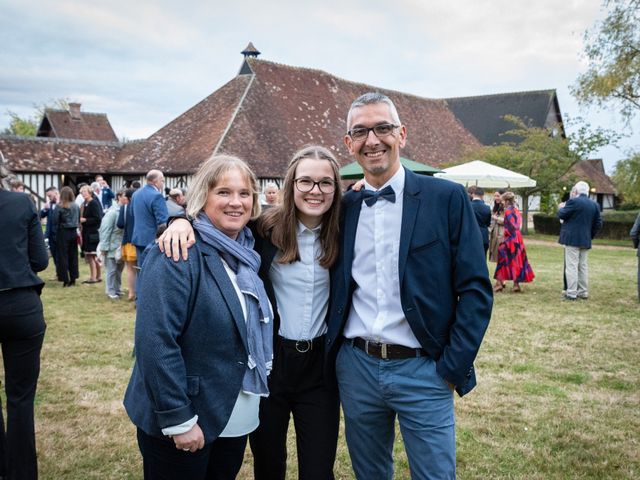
74,111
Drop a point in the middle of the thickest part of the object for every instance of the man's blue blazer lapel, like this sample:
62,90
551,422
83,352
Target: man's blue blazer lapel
351,216
410,207
214,263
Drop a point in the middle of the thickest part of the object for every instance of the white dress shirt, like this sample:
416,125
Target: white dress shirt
302,289
376,311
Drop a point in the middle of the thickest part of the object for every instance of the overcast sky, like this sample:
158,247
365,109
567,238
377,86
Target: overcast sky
145,62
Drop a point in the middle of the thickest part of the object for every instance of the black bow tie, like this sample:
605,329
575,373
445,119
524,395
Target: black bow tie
371,197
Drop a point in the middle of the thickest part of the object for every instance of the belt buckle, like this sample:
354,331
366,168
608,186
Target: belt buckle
383,349
304,343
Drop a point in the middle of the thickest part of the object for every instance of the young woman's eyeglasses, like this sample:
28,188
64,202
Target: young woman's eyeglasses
305,185
382,130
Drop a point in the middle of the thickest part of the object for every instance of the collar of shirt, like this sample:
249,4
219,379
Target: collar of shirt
302,228
396,182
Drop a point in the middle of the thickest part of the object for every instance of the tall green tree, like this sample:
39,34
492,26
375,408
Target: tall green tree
612,48
541,155
28,126
25,127
627,179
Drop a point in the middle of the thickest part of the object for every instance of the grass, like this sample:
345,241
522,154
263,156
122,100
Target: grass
608,242
557,394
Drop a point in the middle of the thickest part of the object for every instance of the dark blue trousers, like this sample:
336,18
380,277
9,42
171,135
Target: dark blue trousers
218,460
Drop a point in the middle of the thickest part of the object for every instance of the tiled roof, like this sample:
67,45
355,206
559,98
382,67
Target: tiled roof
592,172
482,115
184,143
266,116
39,154
86,126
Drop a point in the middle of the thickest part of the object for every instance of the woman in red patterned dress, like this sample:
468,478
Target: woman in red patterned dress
512,256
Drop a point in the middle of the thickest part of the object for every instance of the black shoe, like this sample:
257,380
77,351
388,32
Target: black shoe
569,299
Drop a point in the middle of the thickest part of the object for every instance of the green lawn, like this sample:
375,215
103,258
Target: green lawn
557,394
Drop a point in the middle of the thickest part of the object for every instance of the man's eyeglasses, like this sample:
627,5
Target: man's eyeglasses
305,185
382,130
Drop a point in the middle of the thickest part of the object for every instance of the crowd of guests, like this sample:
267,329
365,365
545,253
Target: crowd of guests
249,315
98,225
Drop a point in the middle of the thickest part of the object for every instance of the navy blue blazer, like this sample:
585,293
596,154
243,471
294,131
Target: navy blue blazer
149,212
581,222
483,217
445,289
190,343
125,222
22,249
107,197
51,229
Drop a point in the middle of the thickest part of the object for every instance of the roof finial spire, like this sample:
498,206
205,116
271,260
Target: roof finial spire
250,51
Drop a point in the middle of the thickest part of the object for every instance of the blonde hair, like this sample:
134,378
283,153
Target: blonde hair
208,176
509,198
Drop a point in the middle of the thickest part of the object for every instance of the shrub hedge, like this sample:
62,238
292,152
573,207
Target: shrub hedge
616,224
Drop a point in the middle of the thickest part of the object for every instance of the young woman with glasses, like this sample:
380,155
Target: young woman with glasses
298,243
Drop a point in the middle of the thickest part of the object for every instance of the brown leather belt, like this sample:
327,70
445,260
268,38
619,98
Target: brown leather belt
386,351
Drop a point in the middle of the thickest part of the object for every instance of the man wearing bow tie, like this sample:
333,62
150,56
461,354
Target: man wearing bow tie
411,302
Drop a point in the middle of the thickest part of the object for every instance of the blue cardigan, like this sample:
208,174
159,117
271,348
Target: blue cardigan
190,343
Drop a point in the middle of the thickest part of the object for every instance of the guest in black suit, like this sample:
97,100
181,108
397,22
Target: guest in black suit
90,218
67,219
51,229
22,253
482,212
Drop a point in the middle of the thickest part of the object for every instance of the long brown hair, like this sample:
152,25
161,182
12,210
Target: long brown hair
280,223
498,207
66,197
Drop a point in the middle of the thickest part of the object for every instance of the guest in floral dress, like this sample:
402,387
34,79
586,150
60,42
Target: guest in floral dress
512,256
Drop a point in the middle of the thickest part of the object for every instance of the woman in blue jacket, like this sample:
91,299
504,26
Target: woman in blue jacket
203,337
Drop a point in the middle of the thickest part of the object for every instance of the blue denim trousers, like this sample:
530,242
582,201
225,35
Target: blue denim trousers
373,392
